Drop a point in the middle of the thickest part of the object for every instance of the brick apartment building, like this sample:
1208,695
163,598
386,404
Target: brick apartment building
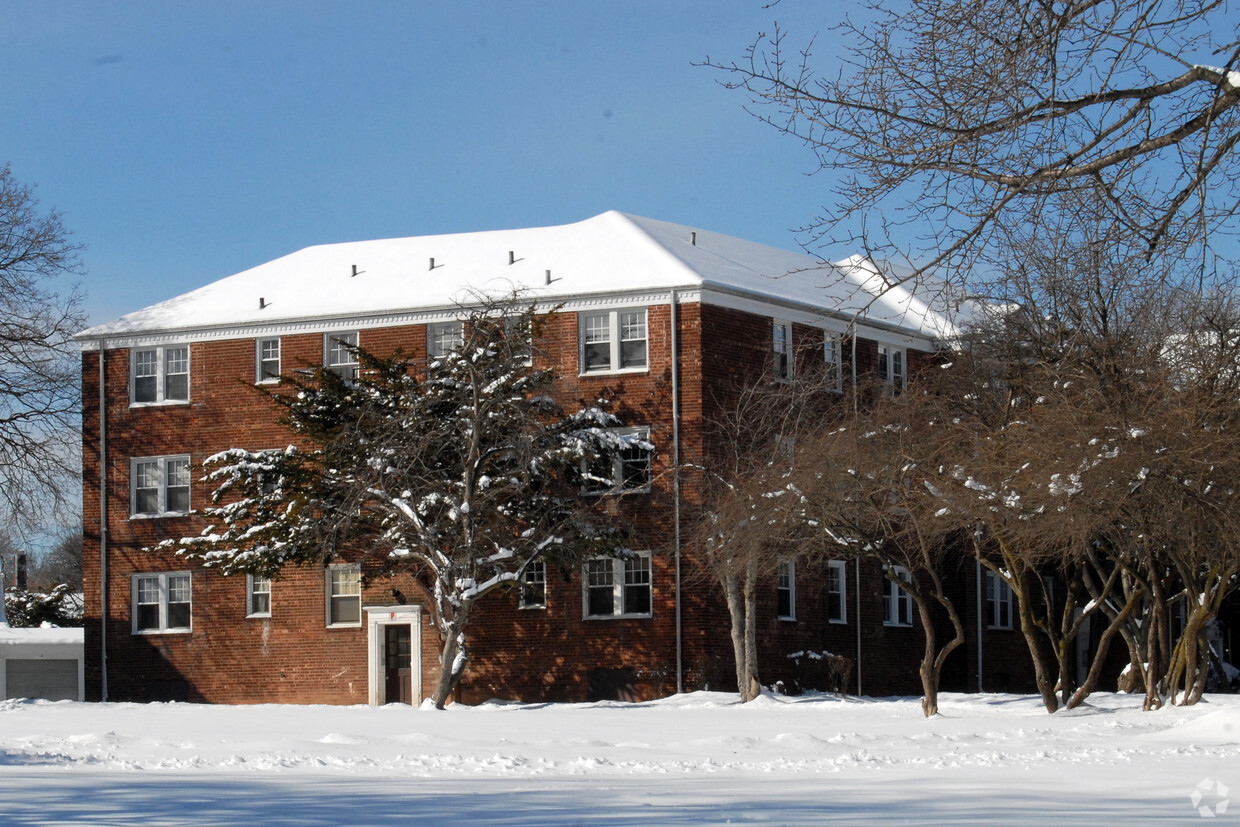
663,319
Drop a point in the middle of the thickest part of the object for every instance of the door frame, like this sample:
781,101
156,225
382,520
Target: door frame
377,617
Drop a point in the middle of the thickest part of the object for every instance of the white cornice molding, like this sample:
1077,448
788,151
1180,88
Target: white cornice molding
690,294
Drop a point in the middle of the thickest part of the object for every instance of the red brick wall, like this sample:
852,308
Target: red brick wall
531,654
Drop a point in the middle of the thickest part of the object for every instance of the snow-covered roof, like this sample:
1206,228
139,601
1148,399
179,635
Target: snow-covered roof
612,253
42,636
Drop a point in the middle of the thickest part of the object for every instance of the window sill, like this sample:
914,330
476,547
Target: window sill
176,631
786,619
331,626
162,515
841,621
533,606
646,616
617,372
891,625
616,492
266,616
999,628
170,403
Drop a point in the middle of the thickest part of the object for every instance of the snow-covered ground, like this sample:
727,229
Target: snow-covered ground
701,758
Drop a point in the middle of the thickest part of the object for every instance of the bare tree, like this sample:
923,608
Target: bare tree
957,120
752,518
39,371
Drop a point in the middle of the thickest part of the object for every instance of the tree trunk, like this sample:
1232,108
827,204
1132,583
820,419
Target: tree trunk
752,687
452,658
739,597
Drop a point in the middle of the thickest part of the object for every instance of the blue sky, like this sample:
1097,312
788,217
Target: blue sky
185,142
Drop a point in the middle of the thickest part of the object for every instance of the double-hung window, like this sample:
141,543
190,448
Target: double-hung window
832,360
534,585
344,594
781,346
443,338
257,596
613,340
786,591
627,468
161,602
897,603
618,586
268,359
159,486
998,602
891,367
160,375
340,353
837,592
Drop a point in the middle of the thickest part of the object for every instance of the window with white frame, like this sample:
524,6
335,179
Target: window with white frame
340,353
158,486
344,594
534,585
257,596
443,338
781,345
627,469
837,592
786,591
268,359
897,603
618,586
832,359
891,366
998,602
159,375
162,603
613,340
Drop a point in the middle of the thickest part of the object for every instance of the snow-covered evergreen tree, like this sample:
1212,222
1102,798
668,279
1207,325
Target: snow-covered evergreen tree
462,469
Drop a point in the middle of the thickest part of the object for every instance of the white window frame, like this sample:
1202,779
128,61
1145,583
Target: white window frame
897,602
443,338
623,574
832,345
161,485
638,433
893,366
611,327
263,358
255,586
999,600
523,354
164,583
161,373
534,578
786,582
330,595
837,571
344,369
783,360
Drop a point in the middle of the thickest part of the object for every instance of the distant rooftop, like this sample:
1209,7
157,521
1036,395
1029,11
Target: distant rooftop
612,253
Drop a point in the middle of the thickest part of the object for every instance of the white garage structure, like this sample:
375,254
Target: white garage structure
41,663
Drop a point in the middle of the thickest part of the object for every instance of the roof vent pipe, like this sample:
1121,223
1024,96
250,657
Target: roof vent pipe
432,262
693,238
548,277
512,257
262,303
354,271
